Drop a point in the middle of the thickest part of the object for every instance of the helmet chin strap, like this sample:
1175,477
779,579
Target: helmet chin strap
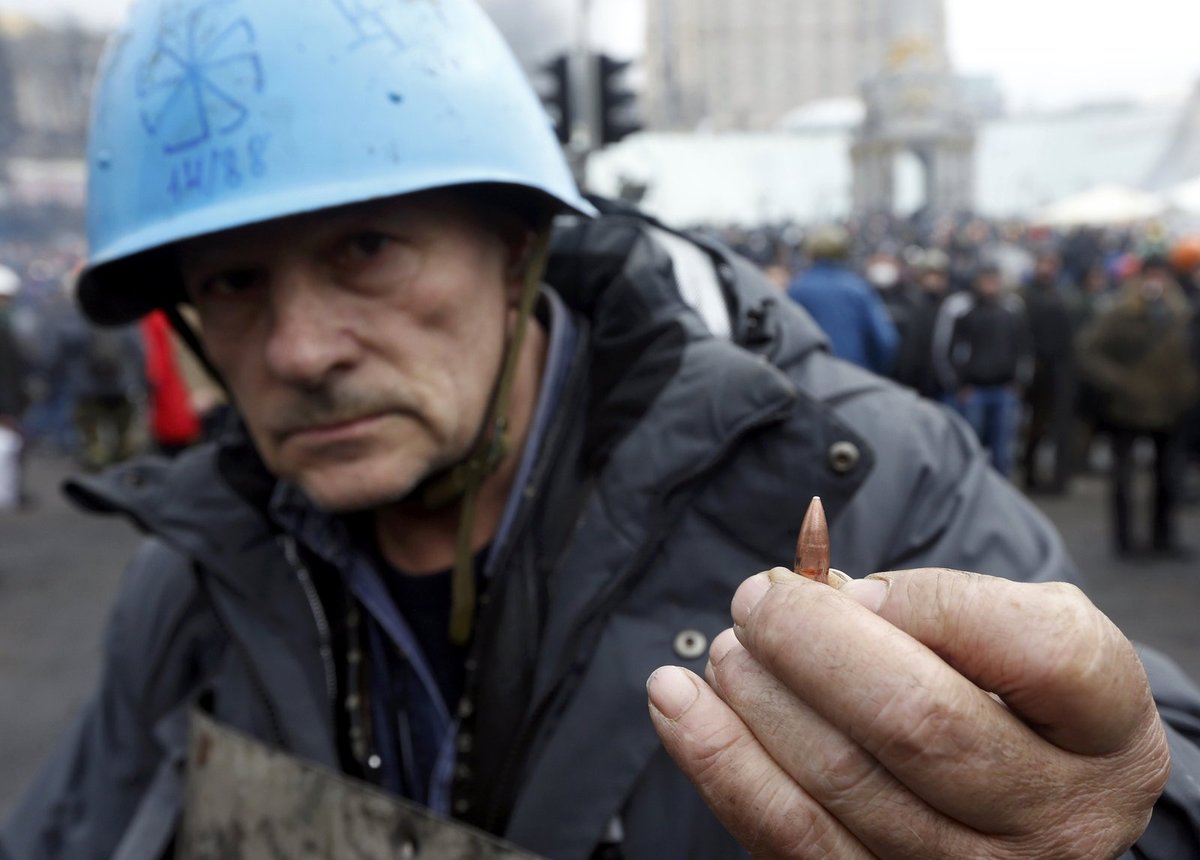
461,483
191,340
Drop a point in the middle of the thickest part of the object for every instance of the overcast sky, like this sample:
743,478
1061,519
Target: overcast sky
1045,53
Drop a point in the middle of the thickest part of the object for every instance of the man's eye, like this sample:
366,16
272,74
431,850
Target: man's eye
228,284
365,245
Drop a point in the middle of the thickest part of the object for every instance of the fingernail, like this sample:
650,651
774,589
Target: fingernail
721,646
747,596
672,691
837,578
869,592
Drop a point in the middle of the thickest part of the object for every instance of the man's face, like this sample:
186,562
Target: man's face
1096,281
1154,283
988,285
933,282
1047,268
360,344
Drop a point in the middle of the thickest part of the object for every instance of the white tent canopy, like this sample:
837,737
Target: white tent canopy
1103,205
1186,196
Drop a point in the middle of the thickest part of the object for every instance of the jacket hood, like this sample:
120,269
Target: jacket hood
597,265
219,520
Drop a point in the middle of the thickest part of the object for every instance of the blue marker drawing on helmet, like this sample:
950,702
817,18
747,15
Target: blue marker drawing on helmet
196,82
369,22
207,171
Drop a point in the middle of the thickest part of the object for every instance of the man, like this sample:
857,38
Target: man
108,382
844,305
983,350
1050,393
13,399
1184,258
888,279
1136,354
450,546
914,364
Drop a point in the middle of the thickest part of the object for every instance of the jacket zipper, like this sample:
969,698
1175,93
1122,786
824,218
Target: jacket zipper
603,602
290,552
255,677
551,442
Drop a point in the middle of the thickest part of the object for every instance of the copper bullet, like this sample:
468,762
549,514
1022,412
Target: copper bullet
812,547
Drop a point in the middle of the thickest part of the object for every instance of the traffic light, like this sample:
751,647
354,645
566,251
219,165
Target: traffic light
557,98
617,120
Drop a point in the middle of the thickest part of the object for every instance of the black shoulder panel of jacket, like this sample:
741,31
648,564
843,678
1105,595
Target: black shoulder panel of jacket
614,274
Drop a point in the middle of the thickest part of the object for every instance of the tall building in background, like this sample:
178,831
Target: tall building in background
45,77
45,83
746,65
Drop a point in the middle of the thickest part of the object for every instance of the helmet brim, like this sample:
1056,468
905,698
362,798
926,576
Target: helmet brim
120,291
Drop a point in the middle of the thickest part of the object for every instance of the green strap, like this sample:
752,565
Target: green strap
490,452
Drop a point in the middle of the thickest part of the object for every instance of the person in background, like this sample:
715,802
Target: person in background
984,352
1137,355
778,275
1091,294
1185,263
1048,399
55,338
108,380
887,276
12,397
844,305
914,364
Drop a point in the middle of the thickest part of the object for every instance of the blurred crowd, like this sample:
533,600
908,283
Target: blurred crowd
1065,352
96,395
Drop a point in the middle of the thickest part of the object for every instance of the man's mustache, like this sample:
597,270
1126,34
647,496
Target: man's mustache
326,406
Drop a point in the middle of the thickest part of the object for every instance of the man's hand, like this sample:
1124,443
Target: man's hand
928,713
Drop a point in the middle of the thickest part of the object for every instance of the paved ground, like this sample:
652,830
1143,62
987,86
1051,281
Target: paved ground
58,571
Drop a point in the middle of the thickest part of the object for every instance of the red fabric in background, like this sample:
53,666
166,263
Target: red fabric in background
172,419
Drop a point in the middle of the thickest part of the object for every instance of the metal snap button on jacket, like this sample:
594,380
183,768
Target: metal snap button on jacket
843,456
691,644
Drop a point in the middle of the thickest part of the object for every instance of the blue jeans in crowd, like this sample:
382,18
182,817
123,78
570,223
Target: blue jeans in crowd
993,412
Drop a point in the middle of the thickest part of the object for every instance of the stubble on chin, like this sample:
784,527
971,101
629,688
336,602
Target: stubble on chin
352,493
384,474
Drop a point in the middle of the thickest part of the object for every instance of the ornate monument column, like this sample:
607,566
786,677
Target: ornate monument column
914,106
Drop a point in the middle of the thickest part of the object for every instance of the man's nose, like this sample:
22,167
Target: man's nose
308,337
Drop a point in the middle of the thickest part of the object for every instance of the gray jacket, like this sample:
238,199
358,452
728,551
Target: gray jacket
681,463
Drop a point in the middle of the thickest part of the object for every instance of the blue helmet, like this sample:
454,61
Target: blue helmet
213,114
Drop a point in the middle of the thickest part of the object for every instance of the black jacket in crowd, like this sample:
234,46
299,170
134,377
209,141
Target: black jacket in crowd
983,342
